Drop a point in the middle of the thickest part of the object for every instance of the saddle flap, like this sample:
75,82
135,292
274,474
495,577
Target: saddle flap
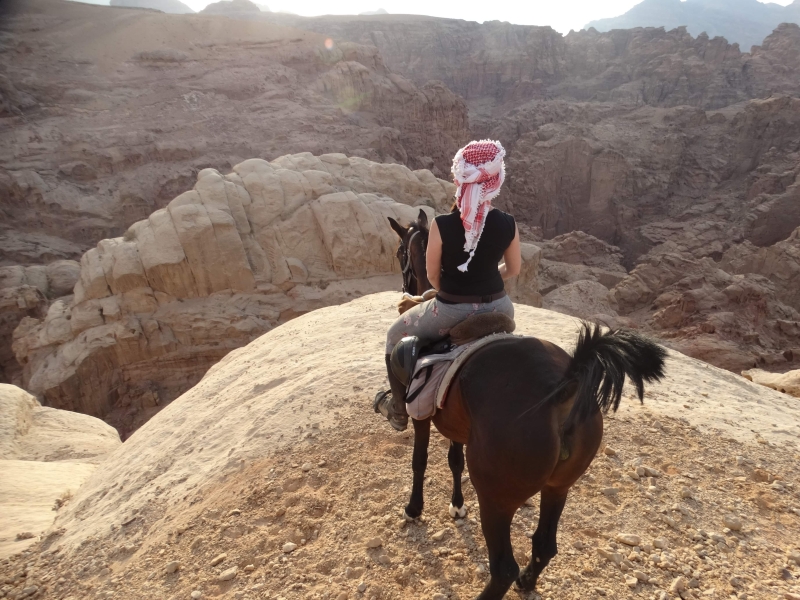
478,326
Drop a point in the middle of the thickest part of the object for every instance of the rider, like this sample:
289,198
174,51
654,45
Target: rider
464,272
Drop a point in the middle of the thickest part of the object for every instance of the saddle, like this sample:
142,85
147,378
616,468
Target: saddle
410,349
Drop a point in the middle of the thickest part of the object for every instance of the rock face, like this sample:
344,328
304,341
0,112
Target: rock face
505,63
45,456
578,256
733,321
180,105
219,266
745,22
27,292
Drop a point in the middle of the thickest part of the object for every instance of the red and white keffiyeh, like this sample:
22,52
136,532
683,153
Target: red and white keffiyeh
479,171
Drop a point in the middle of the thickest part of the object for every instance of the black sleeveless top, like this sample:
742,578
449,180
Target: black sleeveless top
483,277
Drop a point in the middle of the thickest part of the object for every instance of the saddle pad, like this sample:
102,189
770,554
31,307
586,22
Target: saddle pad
433,375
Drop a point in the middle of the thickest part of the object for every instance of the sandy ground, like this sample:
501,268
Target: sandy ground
278,445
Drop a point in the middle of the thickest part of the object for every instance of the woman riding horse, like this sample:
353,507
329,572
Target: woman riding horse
463,252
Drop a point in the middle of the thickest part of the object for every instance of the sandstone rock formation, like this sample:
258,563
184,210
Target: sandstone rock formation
499,63
277,444
578,256
218,267
27,292
733,321
45,456
634,136
786,383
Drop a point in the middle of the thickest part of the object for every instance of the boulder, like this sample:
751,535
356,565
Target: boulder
786,383
582,299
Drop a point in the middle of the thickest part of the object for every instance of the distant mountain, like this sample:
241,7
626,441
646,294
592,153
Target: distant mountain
746,22
263,7
168,6
380,11
231,7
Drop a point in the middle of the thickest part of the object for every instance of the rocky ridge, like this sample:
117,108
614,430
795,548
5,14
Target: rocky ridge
745,22
273,477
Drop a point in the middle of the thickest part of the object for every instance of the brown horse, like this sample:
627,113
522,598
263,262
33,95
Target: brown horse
531,416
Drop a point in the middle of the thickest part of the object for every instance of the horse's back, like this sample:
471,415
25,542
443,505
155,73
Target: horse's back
511,372
512,432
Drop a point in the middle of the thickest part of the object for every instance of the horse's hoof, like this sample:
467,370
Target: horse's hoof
527,594
458,513
408,518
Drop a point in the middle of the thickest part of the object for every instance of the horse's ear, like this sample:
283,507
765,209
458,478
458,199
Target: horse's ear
399,229
423,218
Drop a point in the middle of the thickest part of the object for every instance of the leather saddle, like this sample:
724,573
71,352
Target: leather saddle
410,349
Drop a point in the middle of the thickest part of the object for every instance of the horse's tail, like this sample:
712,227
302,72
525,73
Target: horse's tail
601,361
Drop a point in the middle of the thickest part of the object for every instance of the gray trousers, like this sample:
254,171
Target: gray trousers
433,320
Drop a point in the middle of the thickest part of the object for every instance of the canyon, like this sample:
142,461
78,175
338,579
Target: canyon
674,157
197,271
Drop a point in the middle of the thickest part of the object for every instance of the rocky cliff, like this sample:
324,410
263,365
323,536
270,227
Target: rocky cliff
27,292
500,63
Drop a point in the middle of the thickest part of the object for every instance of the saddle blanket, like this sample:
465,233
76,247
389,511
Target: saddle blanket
434,373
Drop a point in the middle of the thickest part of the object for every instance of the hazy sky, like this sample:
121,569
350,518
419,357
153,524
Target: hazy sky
561,15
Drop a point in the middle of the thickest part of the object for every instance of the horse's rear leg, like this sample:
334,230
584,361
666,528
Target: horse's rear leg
455,458
419,462
544,539
496,525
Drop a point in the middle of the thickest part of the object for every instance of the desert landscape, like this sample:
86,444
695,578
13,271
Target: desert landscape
197,272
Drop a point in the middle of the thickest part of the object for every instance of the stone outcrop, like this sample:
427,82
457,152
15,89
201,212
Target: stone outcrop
219,266
786,383
733,321
26,291
780,263
45,456
578,256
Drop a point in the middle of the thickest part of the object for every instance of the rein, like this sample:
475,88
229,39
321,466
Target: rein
405,263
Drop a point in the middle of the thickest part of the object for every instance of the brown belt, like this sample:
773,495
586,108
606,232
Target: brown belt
470,299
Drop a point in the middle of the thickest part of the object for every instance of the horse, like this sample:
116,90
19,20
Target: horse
531,416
